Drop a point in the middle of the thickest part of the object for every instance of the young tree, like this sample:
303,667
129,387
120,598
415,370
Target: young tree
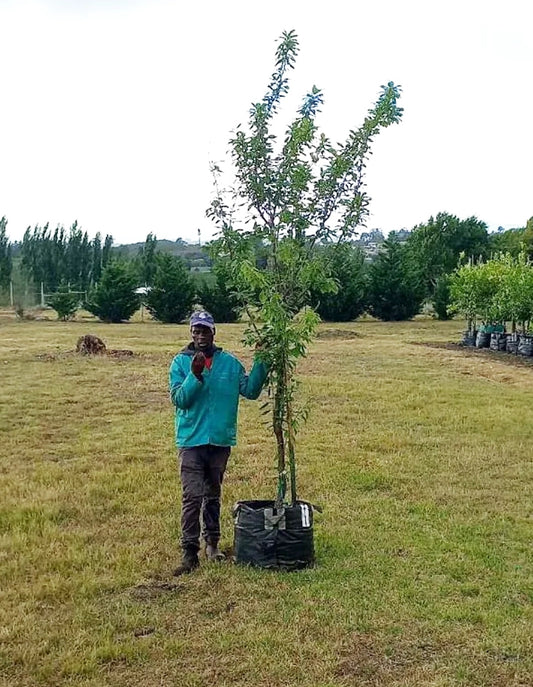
64,303
395,290
292,196
514,298
114,299
476,291
6,263
171,297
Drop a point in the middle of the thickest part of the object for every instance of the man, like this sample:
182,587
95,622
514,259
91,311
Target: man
205,383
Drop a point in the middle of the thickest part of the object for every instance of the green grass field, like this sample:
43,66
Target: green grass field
420,455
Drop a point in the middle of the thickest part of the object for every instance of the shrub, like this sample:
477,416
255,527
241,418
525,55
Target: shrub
64,303
114,299
172,295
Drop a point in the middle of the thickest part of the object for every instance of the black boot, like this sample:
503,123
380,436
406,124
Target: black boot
189,562
212,552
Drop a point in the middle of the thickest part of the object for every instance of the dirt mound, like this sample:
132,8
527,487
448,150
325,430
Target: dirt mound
92,345
88,344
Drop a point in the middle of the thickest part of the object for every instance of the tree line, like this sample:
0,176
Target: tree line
410,269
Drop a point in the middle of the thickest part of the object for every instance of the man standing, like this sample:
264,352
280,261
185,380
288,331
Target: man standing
205,383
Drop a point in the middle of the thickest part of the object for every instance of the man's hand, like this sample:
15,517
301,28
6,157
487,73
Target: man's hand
197,365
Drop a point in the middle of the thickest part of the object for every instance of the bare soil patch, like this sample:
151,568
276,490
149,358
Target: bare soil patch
154,590
338,334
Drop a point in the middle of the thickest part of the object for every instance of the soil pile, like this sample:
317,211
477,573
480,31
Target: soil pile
90,345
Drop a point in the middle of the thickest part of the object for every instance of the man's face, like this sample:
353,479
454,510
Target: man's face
202,337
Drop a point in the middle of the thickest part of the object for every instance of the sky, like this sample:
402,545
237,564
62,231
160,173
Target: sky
112,110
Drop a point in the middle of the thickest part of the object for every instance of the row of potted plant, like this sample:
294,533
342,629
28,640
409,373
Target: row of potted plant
499,340
495,293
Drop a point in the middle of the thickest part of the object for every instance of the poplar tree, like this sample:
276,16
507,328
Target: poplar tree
6,263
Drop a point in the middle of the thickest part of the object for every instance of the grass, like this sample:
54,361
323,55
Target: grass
420,455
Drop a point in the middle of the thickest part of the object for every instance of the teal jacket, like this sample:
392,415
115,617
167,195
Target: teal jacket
206,412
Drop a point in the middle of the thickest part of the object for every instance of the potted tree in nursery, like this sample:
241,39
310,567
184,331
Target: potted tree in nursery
287,197
473,287
464,299
520,294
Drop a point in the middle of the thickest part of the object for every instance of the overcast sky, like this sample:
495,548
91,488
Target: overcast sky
110,111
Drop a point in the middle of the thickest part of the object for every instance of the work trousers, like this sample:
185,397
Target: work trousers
202,471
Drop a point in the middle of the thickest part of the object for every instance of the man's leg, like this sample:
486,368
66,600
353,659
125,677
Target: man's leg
217,460
192,482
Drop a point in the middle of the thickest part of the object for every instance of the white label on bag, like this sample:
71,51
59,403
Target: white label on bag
306,516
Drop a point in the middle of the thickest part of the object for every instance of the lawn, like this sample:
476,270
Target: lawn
419,454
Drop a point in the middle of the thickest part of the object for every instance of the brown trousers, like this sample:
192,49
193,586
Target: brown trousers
202,472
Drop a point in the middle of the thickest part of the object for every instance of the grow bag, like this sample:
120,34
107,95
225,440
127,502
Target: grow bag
267,537
482,339
525,345
469,338
498,341
511,345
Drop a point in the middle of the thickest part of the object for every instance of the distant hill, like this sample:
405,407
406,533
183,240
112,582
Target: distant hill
194,255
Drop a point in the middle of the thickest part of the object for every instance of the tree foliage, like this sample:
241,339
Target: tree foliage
6,263
64,302
437,245
147,262
497,291
345,264
218,295
291,196
510,241
114,299
172,294
396,291
52,257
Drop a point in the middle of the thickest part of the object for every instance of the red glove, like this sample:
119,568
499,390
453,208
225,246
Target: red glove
198,364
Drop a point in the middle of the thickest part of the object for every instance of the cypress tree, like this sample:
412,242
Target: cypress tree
396,290
114,299
172,295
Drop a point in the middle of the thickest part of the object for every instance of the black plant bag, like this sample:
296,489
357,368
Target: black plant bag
268,538
525,345
482,340
498,341
511,345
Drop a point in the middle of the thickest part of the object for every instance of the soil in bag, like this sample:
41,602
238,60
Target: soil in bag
267,537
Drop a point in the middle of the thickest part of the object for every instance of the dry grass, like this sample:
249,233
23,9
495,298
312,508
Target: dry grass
420,455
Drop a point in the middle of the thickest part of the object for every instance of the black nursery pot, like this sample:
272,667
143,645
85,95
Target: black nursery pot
279,539
482,340
498,341
469,337
525,345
